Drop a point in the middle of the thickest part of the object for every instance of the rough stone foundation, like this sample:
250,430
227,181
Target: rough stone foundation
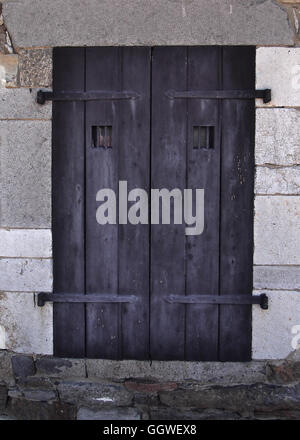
47,388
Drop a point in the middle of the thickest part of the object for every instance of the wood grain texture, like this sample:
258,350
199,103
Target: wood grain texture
203,171
68,202
168,170
134,158
117,255
237,180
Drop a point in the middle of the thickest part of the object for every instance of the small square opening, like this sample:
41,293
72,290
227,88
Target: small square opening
102,136
203,137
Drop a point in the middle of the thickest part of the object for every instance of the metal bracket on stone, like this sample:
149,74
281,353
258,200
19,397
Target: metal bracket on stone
264,94
44,297
97,95
262,299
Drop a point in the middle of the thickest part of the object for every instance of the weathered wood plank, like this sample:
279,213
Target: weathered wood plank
133,146
202,251
102,330
68,202
237,194
117,256
168,170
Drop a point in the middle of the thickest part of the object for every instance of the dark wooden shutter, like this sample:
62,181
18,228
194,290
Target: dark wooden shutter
89,258
218,262
152,146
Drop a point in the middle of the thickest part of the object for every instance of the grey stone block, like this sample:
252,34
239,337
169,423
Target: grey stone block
277,230
94,394
108,414
35,66
25,243
26,327
258,397
15,393
23,366
24,409
146,399
141,22
6,371
163,413
277,180
34,383
277,136
25,174
276,277
272,65
25,275
55,367
203,372
272,329
283,372
21,104
40,395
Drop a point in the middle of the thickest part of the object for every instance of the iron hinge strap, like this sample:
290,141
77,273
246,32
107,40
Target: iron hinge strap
264,94
44,297
262,299
97,95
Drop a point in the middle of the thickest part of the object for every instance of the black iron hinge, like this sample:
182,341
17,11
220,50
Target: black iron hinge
261,300
98,95
264,94
44,297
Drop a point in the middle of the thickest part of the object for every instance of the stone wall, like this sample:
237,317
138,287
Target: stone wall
39,388
277,201
28,31
25,204
148,23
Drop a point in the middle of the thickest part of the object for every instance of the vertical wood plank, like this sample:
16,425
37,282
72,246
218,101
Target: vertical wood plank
134,166
203,172
117,256
237,192
68,202
168,170
102,331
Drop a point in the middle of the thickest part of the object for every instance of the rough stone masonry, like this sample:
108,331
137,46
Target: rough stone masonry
47,388
28,32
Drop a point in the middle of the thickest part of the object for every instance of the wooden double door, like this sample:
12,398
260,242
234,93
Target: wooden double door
136,114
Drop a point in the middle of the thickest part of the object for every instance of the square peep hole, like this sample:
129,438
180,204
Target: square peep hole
102,136
203,137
